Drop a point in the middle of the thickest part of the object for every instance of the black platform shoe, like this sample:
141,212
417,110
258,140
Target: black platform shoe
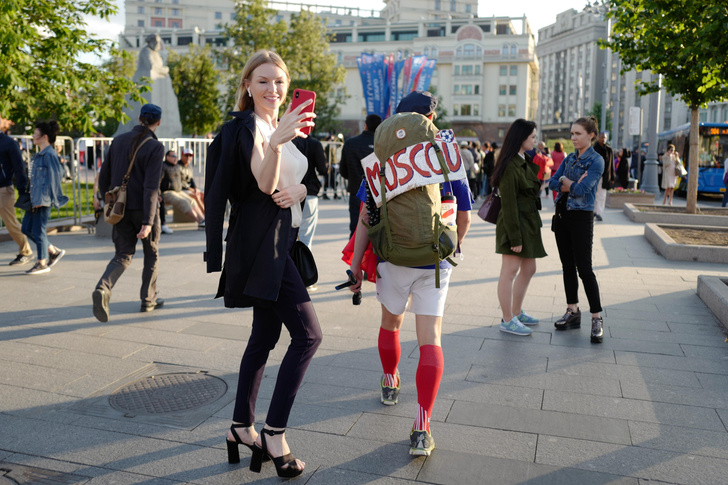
569,320
232,446
597,330
280,462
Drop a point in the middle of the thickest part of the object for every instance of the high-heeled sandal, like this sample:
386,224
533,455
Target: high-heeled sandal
232,446
280,462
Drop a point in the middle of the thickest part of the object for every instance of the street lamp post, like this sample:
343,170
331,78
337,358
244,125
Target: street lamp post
650,174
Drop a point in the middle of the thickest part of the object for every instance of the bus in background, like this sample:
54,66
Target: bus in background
712,153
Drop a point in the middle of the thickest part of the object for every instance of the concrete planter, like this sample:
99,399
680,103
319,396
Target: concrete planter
709,217
669,249
617,201
714,293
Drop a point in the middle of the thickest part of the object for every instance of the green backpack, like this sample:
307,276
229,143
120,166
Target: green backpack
411,232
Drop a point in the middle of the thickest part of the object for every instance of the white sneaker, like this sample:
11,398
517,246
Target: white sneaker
166,230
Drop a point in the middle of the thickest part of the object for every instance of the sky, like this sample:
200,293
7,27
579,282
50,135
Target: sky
540,13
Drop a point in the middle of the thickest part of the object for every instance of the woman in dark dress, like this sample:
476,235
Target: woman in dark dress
623,168
253,164
518,230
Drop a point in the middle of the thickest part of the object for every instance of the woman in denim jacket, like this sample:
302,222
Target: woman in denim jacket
45,191
576,183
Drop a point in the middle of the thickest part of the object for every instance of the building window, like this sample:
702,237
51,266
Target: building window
427,52
456,89
452,5
175,2
469,50
467,89
218,15
157,11
456,109
157,1
183,40
140,9
476,110
502,89
465,110
514,70
468,8
476,89
140,23
437,4
504,51
175,12
177,24
501,133
467,70
434,53
512,90
504,71
511,110
477,70
501,110
157,23
457,70
514,50
233,16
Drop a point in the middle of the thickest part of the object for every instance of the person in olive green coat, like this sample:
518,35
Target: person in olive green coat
518,230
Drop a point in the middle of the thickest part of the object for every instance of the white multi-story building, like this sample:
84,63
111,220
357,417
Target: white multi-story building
486,74
575,75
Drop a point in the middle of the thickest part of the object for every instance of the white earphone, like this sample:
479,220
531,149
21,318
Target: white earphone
249,93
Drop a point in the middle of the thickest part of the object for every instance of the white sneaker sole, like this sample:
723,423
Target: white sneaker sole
420,452
515,333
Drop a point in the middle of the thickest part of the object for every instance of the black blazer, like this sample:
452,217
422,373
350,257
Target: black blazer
258,232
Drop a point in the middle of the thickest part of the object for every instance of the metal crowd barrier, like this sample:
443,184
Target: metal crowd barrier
81,160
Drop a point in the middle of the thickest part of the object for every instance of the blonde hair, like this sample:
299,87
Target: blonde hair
243,101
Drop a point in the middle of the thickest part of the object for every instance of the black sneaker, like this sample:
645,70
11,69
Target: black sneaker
569,320
54,258
421,443
101,304
38,268
598,217
148,307
20,259
597,330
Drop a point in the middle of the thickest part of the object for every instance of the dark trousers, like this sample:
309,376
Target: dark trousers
125,240
34,227
294,310
574,238
354,205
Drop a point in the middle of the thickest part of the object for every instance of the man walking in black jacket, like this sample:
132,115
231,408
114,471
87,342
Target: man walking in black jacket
141,218
12,166
603,149
355,149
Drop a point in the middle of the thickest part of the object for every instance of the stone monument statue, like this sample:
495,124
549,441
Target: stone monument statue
152,66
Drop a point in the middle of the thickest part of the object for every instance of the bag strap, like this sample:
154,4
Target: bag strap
125,180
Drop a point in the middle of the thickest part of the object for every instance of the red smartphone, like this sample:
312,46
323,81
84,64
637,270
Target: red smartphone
299,97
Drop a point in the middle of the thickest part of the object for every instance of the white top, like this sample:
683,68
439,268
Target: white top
293,166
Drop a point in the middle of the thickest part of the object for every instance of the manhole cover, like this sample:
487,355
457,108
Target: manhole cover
168,393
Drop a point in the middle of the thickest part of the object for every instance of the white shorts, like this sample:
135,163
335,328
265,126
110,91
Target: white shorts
400,288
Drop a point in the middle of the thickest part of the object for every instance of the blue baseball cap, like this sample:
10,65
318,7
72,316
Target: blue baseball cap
422,102
151,111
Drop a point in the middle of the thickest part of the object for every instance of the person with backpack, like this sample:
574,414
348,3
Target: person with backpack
518,229
398,285
253,164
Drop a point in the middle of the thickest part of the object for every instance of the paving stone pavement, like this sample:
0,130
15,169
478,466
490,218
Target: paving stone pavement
649,405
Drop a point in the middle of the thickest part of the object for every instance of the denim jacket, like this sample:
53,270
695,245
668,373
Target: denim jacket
45,180
581,194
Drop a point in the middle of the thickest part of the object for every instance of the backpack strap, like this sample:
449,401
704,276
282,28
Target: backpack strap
436,234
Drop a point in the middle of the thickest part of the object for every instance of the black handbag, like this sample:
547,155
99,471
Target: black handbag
491,208
306,265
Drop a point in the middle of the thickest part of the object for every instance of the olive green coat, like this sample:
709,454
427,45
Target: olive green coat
519,222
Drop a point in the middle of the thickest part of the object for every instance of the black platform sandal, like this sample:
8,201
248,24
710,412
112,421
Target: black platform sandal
280,461
232,446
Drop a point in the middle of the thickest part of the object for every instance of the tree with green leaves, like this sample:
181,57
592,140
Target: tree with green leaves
194,80
42,77
304,46
683,41
596,112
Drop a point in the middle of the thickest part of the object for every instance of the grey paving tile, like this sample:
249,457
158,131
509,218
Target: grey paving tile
24,401
634,410
714,382
625,373
708,398
709,328
644,346
723,413
669,337
163,339
719,354
337,476
522,397
538,380
686,441
631,461
86,343
641,361
123,478
540,422
36,377
446,467
217,330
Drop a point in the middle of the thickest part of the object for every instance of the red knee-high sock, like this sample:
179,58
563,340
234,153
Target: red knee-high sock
389,353
429,374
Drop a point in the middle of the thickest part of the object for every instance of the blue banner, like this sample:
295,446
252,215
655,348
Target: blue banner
423,84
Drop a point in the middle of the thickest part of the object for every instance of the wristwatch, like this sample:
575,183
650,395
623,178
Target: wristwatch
561,179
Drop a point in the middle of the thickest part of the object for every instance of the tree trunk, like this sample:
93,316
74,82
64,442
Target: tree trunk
694,163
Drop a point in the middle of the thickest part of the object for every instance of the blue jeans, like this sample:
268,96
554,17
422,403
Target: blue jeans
309,220
34,227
